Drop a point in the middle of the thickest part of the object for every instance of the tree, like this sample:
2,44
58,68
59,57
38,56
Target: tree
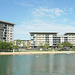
66,44
18,42
5,46
40,45
15,47
46,46
60,45
73,48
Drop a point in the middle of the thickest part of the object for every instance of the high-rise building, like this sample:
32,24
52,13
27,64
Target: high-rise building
6,31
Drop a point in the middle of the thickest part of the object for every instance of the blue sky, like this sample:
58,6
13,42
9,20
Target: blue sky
38,15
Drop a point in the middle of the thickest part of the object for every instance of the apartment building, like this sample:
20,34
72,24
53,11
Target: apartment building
70,37
23,43
42,37
51,38
6,31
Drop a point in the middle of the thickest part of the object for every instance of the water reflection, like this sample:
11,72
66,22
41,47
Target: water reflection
6,65
39,65
21,65
54,64
59,64
48,64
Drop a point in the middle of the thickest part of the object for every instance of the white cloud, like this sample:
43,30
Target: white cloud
45,20
71,9
65,19
68,10
25,4
73,23
38,25
42,12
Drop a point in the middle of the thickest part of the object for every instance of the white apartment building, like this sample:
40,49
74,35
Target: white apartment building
51,38
6,31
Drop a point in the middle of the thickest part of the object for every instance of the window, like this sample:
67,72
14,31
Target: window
10,38
32,34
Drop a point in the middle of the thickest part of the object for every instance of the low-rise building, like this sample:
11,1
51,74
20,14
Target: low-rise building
22,43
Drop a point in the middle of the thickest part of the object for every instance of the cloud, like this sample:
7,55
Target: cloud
71,9
73,23
44,12
68,10
25,4
45,20
38,25
65,19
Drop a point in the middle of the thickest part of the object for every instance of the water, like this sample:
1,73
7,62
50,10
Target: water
48,64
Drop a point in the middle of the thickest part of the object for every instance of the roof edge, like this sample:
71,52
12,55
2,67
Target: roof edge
7,22
43,32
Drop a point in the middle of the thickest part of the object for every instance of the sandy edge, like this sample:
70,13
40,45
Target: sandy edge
25,53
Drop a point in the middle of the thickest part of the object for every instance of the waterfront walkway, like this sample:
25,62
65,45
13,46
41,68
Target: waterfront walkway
43,52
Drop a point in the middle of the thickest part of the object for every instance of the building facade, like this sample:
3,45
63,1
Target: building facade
6,31
42,37
50,38
70,37
23,43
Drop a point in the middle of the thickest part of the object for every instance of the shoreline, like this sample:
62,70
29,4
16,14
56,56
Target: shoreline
30,53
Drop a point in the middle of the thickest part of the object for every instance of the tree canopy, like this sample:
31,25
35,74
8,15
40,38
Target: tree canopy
6,45
66,44
46,46
60,45
40,45
18,42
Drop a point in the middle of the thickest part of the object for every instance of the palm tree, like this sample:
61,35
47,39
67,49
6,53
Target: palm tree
18,42
46,46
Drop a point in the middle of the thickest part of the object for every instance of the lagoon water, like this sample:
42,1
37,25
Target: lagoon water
45,64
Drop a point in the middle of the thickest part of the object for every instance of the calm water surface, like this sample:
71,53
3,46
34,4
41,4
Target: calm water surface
48,64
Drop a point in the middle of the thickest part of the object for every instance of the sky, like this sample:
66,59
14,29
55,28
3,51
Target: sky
38,15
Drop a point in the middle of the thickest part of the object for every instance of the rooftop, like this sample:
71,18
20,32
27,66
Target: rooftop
69,33
7,22
43,32
22,40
